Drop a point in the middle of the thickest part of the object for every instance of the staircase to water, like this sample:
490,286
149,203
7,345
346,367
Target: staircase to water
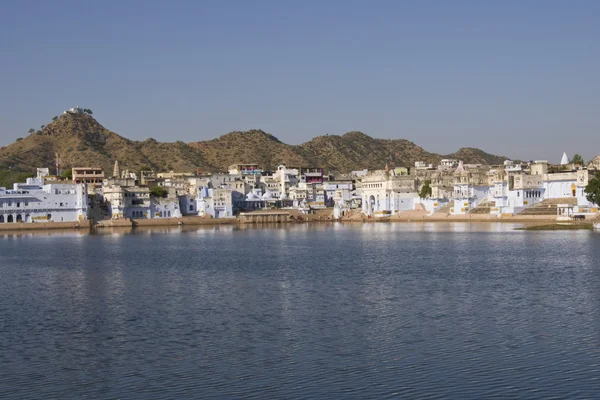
548,206
483,208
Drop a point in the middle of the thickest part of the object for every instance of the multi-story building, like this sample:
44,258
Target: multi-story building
34,201
338,192
311,175
471,187
89,175
125,199
244,169
216,202
385,194
287,177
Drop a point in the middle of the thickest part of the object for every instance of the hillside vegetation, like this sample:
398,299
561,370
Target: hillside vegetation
81,141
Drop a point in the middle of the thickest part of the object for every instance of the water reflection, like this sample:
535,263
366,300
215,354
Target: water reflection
365,310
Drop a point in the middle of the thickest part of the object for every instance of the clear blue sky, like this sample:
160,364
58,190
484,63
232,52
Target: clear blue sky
518,78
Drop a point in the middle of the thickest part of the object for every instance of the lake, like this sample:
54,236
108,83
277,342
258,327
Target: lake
353,311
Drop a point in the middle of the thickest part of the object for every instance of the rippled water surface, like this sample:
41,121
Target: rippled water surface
323,311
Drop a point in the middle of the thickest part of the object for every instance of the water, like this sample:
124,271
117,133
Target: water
321,311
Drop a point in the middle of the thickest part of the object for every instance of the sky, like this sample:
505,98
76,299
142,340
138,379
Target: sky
514,78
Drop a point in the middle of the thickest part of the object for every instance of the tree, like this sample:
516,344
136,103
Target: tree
31,130
42,127
54,118
592,190
19,139
577,159
426,190
8,177
158,191
67,175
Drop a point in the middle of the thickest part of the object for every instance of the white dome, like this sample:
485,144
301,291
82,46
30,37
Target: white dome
564,160
283,197
268,195
252,197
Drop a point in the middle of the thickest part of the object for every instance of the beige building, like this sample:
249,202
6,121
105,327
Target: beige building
89,175
126,200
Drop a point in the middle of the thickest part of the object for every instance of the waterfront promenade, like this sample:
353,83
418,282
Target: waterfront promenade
323,217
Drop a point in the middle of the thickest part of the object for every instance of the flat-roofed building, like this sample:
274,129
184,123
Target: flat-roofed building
244,169
89,175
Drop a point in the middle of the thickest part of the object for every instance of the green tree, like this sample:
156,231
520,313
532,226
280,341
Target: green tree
8,177
42,127
19,139
31,130
158,191
67,174
592,190
577,159
54,118
426,190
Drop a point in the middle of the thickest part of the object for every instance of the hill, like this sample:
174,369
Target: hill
81,141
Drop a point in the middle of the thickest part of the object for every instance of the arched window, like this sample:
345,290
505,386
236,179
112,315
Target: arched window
27,218
9,218
49,217
19,218
160,214
169,214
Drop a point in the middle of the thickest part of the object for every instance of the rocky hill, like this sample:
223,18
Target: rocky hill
81,141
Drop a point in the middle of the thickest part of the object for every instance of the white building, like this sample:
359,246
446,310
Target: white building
216,202
287,177
338,192
384,194
34,201
448,163
471,188
125,199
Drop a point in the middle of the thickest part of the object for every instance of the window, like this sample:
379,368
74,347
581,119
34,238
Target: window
26,204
